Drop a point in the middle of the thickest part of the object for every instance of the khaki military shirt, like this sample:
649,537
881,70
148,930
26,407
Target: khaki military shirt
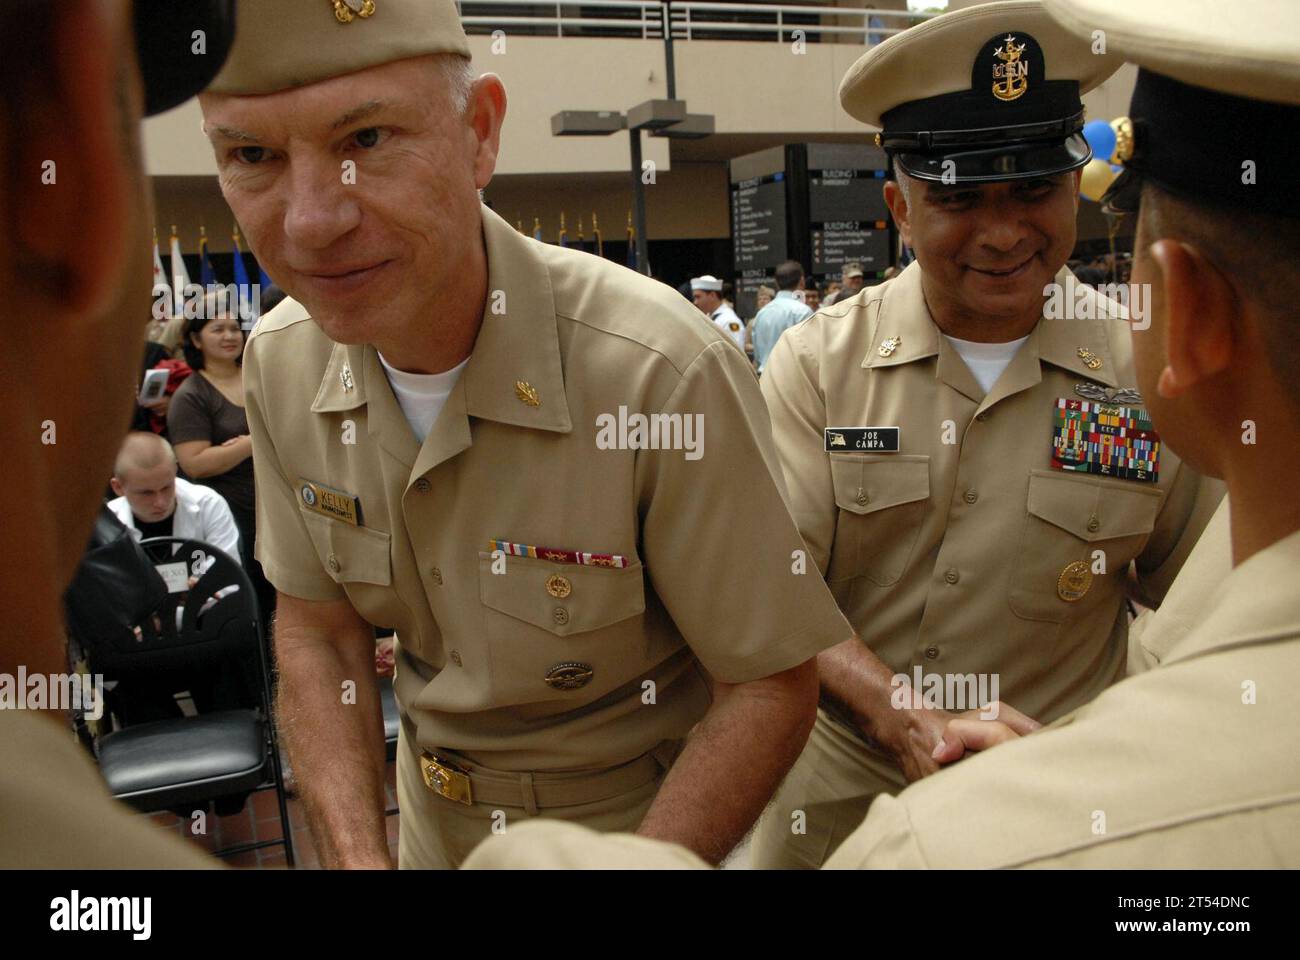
1189,601
1191,764
523,662
949,554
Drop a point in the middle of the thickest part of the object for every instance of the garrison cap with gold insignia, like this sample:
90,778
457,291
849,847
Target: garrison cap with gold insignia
281,44
1217,86
984,94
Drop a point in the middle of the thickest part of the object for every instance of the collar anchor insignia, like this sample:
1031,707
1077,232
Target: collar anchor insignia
889,345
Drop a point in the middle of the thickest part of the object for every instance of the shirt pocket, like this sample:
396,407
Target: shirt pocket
540,616
1068,519
881,502
359,560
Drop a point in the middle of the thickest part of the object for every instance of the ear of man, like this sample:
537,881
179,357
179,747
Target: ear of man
70,233
1202,318
896,200
487,111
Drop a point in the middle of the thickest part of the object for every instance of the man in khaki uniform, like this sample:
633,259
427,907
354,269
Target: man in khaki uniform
1192,763
968,458
516,455
74,270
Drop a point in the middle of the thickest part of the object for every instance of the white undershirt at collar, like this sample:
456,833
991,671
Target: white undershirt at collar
421,395
986,360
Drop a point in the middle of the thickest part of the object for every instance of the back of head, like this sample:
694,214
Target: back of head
788,275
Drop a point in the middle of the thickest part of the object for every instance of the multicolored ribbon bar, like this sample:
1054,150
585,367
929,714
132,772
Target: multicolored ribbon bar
556,555
1105,439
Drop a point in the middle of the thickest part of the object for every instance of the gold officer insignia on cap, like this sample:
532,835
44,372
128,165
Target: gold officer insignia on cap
889,345
1074,582
345,377
1011,76
527,393
1123,128
345,11
1090,359
569,676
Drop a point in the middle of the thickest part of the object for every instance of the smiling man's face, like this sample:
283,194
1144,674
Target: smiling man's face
987,250
357,193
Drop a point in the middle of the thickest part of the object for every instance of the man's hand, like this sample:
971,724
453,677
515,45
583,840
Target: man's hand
864,692
970,733
924,739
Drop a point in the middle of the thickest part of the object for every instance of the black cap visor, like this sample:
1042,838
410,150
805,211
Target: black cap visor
181,48
1000,162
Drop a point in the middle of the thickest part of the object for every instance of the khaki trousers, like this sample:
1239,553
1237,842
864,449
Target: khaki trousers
823,799
437,833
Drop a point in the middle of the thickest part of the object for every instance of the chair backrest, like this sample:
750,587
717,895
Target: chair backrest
192,629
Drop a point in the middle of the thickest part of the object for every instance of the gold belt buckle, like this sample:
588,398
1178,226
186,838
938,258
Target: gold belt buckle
445,779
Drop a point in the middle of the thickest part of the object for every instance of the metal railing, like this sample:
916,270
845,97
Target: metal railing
689,20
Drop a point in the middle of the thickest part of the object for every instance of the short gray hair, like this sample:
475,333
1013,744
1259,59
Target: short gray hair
458,71
901,179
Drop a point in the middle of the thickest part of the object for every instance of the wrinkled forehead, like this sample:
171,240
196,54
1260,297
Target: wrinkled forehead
402,90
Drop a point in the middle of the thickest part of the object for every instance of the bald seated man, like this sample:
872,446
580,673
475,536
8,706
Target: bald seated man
75,220
153,502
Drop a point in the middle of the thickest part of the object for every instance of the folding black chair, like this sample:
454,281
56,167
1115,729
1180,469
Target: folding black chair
196,630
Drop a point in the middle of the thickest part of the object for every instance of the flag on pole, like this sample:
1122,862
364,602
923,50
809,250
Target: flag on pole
537,230
564,234
630,258
263,278
162,290
207,276
242,284
595,235
180,276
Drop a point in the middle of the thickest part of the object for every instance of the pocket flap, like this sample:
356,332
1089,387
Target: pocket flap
562,598
866,484
360,554
1093,509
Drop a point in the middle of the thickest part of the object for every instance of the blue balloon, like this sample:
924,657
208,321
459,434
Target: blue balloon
1101,138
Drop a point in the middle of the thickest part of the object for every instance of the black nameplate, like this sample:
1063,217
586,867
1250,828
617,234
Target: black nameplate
861,439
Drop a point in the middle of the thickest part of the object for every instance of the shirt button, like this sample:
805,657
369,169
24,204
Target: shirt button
952,576
436,574
981,417
970,496
455,657
862,498
333,563
422,485
560,615
1093,524
932,653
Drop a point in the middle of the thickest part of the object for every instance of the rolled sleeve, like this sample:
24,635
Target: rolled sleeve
798,423
707,519
284,547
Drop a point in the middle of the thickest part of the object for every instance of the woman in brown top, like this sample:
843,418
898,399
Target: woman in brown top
208,427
